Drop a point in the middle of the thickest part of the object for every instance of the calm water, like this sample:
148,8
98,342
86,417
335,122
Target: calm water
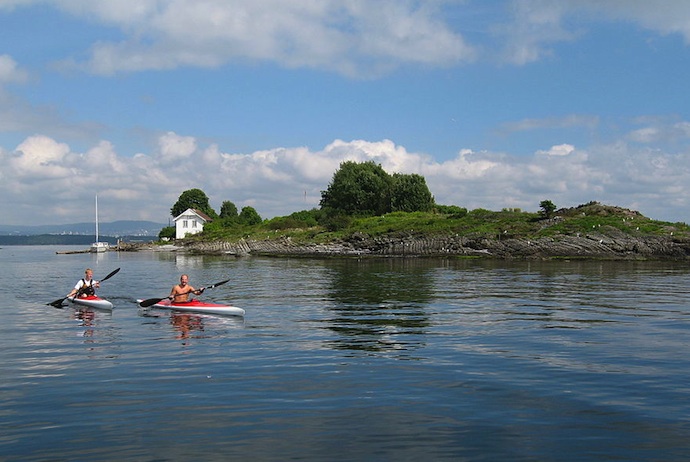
403,360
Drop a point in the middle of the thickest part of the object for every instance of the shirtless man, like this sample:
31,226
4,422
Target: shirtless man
180,292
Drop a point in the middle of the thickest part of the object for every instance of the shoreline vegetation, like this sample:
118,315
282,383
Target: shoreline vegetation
366,212
590,231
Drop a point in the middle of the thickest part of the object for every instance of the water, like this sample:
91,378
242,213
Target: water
404,359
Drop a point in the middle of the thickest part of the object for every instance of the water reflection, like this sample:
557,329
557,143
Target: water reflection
379,305
186,262
87,319
100,337
187,326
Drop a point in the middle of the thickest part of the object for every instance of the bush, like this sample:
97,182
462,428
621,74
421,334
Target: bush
303,219
453,210
167,233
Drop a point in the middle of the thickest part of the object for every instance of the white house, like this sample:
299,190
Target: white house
191,221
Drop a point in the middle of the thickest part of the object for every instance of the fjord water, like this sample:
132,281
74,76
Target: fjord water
346,359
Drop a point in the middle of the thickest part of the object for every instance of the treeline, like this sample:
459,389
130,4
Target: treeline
358,189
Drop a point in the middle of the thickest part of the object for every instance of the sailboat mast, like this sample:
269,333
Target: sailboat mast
96,219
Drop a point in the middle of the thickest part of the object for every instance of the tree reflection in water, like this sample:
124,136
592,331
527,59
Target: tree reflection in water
379,304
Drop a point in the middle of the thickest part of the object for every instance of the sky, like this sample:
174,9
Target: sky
497,104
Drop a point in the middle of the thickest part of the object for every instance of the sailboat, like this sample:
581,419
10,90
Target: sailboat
98,247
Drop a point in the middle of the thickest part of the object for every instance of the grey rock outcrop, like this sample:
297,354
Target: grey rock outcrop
591,245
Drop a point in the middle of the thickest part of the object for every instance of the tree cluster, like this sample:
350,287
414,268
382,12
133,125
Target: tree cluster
365,189
198,200
356,190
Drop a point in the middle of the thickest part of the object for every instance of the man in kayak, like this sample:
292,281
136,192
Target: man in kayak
180,292
86,286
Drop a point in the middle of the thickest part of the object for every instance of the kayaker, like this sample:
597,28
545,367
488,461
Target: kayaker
86,286
180,292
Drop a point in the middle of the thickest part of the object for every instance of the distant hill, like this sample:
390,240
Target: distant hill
58,239
114,229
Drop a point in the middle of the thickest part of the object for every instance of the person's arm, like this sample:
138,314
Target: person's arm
76,289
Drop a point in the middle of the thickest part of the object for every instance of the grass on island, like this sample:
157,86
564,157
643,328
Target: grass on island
303,227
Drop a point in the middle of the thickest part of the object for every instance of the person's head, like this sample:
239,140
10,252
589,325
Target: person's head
88,274
184,279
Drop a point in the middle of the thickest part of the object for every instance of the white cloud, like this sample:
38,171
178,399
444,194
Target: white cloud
669,17
52,182
356,37
535,26
175,148
39,157
560,150
10,72
361,38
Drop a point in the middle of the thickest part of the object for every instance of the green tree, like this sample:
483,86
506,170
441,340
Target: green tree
193,199
547,208
358,189
249,216
168,232
228,210
410,194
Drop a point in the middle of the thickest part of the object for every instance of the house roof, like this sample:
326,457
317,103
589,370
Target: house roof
196,212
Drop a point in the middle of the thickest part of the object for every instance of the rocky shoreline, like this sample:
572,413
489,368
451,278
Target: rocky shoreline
589,246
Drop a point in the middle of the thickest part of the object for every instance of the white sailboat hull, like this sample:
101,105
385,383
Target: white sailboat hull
98,247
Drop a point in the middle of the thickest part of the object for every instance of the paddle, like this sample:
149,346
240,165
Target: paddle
152,301
58,303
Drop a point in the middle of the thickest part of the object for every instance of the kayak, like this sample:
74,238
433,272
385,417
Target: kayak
197,306
92,301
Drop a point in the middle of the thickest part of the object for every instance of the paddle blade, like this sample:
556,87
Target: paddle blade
57,303
113,273
217,284
150,302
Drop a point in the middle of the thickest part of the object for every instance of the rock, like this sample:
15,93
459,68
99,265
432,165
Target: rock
595,245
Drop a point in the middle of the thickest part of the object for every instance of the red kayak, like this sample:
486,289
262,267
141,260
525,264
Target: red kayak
197,306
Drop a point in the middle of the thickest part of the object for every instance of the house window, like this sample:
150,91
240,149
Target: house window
185,224
193,223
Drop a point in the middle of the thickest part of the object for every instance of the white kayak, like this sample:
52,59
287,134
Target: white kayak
92,301
197,306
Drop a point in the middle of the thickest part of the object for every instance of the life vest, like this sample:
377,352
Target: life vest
87,288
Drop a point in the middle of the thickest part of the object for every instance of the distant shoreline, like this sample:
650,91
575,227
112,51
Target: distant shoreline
69,239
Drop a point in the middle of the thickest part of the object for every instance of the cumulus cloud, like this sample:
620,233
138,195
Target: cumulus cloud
54,182
40,157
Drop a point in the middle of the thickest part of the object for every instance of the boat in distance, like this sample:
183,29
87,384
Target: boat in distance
91,301
197,306
97,246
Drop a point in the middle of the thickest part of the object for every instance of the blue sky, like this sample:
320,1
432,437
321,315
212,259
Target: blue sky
496,103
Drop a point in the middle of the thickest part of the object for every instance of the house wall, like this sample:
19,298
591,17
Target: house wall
188,224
